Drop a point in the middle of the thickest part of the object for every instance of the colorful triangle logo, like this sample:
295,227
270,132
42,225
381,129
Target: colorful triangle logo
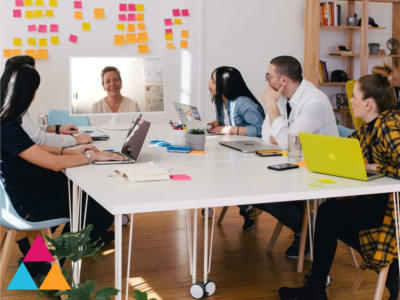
39,251
22,280
55,280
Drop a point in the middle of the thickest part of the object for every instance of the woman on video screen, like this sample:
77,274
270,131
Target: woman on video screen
114,102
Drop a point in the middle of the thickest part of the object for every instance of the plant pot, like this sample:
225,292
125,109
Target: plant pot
197,141
373,49
351,21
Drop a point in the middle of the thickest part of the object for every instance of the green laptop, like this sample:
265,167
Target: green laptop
335,156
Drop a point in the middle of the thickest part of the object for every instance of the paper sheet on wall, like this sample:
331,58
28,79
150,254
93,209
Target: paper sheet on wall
28,2
141,26
73,38
132,17
42,42
154,95
39,3
53,28
16,52
29,14
153,69
17,42
119,40
32,41
140,17
142,37
99,13
49,13
143,49
43,28
184,44
54,40
139,7
123,7
31,53
131,27
7,53
86,26
131,38
185,34
132,7
43,54
120,26
38,13
53,3
170,46
32,28
78,15
19,2
77,4
17,13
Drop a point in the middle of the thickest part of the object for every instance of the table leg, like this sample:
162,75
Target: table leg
303,238
129,258
118,255
74,227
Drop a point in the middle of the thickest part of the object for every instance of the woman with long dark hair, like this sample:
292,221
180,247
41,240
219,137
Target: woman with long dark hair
238,111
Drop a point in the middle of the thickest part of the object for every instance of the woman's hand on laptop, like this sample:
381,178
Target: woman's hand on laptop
80,150
106,156
222,130
214,124
371,167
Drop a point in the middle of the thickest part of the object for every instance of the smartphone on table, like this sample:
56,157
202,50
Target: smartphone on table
268,154
283,167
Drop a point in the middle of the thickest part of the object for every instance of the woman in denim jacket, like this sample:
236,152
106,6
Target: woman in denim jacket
238,111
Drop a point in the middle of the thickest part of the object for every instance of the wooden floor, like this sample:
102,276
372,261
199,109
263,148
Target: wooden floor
241,268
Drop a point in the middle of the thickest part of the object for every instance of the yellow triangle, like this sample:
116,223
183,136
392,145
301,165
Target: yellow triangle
55,280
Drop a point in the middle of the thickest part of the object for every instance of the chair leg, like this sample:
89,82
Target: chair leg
352,256
380,286
300,262
358,279
6,252
222,215
272,241
3,232
256,222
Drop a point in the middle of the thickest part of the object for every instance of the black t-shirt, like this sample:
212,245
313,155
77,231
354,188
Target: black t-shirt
21,178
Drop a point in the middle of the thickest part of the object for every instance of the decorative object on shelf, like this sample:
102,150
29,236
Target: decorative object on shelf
393,44
197,139
382,52
352,21
339,76
341,100
370,22
373,48
342,49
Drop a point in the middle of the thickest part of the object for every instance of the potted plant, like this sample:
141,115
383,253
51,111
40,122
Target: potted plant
373,48
197,139
352,21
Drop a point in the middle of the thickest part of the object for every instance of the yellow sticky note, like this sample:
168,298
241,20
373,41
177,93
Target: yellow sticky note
121,26
140,17
177,21
85,26
184,44
28,3
139,7
78,15
142,37
54,40
131,27
49,13
131,38
141,26
29,14
169,37
170,46
301,164
31,53
32,41
327,180
16,52
143,49
43,54
119,40
53,3
17,42
38,13
185,34
99,13
198,152
43,42
315,185
39,3
7,53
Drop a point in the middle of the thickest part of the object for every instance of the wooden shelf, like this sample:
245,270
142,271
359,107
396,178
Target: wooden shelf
358,55
350,27
332,83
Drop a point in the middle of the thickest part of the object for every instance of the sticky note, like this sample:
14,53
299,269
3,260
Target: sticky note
16,52
7,53
32,41
141,26
43,28
176,12
31,53
42,54
168,22
180,177
168,30
140,7
49,13
132,7
170,46
77,4
185,13
38,14
28,2
131,38
168,37
53,3
120,27
140,17
131,27
142,37
301,164
17,42
99,13
315,185
43,42
119,40
177,21
78,15
53,28
198,152
73,38
131,17
184,44
185,34
327,180
17,13
122,7
143,49
39,3
29,14
54,40
86,26
122,17
19,2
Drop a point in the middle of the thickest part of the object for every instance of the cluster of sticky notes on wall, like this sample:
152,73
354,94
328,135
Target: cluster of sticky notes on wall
169,37
37,13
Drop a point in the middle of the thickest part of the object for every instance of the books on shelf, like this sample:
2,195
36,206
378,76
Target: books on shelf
323,72
143,172
331,14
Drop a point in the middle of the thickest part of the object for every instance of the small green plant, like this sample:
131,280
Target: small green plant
141,295
197,131
84,291
355,15
374,44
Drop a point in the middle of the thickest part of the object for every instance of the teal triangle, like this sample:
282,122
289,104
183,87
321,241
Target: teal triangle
22,280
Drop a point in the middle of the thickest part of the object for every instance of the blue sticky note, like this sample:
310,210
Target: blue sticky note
156,142
22,280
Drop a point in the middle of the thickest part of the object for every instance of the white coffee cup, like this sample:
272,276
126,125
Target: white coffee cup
179,138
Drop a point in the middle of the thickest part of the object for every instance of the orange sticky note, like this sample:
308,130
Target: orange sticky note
43,42
39,3
31,53
99,13
38,13
17,42
142,37
29,14
185,34
169,37
49,13
16,52
53,3
131,27
170,46
78,15
7,53
184,44
140,17
141,26
28,2
177,21
43,54
131,38
139,7
86,26
32,41
121,26
119,40
54,40
143,49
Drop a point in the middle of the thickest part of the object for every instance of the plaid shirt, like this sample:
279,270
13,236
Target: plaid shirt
379,244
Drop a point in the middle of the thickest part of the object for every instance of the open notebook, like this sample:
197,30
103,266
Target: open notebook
143,172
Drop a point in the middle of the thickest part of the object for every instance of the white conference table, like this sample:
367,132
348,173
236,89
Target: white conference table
221,177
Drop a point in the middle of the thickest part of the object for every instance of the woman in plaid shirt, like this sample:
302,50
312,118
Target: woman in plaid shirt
366,223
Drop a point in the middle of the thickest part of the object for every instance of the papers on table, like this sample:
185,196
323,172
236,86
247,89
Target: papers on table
143,172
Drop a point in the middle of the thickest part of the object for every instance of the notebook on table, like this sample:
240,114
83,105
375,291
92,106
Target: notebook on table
143,172
95,134
249,146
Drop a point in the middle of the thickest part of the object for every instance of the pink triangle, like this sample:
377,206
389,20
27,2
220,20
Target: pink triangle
39,251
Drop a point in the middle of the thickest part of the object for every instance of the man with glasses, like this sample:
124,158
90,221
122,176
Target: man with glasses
293,105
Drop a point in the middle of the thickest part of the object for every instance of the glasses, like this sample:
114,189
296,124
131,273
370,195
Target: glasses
268,76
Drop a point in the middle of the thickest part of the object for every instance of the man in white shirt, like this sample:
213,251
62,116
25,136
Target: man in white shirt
293,105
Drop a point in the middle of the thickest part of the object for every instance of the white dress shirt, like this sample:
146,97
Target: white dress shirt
127,105
311,112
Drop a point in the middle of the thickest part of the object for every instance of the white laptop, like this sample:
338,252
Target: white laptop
249,146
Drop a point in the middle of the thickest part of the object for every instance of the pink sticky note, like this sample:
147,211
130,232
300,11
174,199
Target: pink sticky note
77,4
122,7
17,13
53,28
168,31
180,177
19,2
43,28
32,28
131,17
122,17
132,7
176,13
73,38
168,22
185,13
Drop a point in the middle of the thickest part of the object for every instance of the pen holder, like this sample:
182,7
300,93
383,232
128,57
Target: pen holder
179,138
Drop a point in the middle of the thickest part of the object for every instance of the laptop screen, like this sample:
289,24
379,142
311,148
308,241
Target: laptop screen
135,139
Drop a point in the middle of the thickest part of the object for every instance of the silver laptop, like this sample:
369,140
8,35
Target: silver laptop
133,143
249,146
